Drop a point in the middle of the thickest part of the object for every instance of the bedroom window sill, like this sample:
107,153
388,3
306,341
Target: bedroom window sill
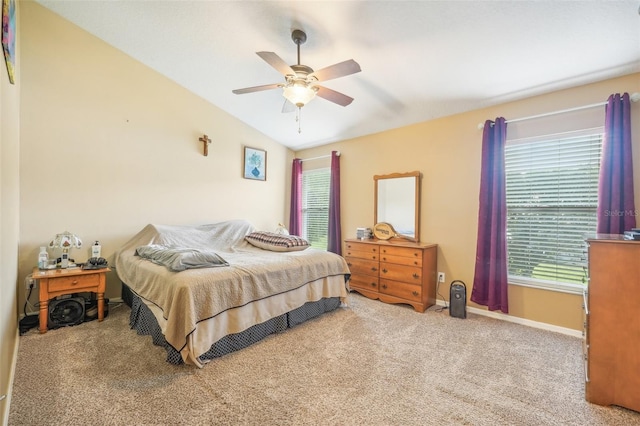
548,285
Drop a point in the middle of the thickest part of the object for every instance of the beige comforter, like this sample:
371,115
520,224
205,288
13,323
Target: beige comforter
196,307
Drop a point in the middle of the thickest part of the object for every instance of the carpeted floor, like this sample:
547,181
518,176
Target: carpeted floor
366,364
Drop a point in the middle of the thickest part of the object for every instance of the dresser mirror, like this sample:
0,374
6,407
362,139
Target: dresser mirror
397,202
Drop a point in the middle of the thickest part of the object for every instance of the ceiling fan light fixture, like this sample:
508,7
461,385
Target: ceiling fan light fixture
299,93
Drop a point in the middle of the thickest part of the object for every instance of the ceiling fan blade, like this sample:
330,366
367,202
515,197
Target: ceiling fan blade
337,70
333,96
277,62
288,107
256,88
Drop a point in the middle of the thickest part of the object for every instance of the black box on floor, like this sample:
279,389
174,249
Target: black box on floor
458,299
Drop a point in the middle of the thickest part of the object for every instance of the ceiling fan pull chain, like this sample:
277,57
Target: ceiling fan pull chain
299,119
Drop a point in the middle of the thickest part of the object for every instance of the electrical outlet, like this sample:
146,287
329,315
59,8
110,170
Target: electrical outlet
440,277
30,283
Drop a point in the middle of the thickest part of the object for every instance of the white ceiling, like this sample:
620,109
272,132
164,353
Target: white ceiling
420,59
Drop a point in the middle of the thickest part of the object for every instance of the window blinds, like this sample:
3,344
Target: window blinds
315,206
552,195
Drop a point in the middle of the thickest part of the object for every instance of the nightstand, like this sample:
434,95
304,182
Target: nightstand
57,282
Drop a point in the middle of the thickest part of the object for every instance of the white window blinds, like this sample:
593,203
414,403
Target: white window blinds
552,195
315,206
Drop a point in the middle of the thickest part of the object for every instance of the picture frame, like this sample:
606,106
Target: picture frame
254,164
9,37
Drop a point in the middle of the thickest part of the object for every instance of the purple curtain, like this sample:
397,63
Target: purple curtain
295,213
616,206
334,243
490,279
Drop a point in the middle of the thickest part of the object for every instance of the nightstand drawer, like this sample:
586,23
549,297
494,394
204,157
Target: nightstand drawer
73,282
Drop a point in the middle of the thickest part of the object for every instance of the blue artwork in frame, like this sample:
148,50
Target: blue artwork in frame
255,164
9,36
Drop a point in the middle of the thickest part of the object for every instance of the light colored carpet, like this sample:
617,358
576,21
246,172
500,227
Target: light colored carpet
367,364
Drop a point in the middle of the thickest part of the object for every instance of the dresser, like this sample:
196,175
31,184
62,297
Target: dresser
393,272
612,322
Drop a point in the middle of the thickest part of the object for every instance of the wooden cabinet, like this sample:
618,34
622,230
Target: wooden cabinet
393,272
612,322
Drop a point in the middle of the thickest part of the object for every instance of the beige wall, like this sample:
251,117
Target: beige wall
9,222
447,151
108,146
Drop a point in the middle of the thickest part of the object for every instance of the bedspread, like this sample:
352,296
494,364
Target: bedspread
184,301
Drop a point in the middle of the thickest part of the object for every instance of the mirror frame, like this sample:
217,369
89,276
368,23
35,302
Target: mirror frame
416,200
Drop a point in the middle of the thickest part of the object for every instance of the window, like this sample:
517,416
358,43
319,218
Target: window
552,196
315,206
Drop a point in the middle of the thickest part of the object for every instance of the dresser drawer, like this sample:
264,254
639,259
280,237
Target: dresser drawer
401,251
362,266
402,290
361,254
401,260
75,282
408,274
364,282
362,247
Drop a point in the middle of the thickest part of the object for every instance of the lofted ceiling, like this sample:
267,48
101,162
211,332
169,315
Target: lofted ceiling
420,60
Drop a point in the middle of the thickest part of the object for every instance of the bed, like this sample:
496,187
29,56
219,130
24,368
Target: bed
234,293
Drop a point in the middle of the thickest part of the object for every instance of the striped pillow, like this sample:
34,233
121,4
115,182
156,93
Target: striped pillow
277,242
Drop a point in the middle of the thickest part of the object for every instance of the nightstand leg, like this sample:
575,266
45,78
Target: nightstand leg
43,299
44,314
100,306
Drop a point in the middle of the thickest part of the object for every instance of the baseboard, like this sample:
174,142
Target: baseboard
12,373
529,323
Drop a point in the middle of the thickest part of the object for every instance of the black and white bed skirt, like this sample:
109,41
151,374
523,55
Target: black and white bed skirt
145,323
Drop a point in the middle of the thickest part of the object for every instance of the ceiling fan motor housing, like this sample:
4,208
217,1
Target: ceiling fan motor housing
299,37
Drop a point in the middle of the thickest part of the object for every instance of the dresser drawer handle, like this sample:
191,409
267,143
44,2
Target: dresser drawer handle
415,254
384,286
415,293
348,263
373,284
384,259
74,282
384,270
416,276
374,269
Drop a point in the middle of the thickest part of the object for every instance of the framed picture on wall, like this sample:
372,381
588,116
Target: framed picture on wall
255,164
9,36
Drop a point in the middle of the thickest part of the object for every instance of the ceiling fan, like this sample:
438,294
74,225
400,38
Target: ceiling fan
300,85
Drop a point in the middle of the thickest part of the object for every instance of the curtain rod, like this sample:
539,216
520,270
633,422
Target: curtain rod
317,158
634,98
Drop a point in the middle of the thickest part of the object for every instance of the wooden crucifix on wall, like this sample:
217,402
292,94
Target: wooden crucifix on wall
206,141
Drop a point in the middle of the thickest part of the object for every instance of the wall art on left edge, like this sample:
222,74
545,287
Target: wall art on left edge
255,164
9,36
